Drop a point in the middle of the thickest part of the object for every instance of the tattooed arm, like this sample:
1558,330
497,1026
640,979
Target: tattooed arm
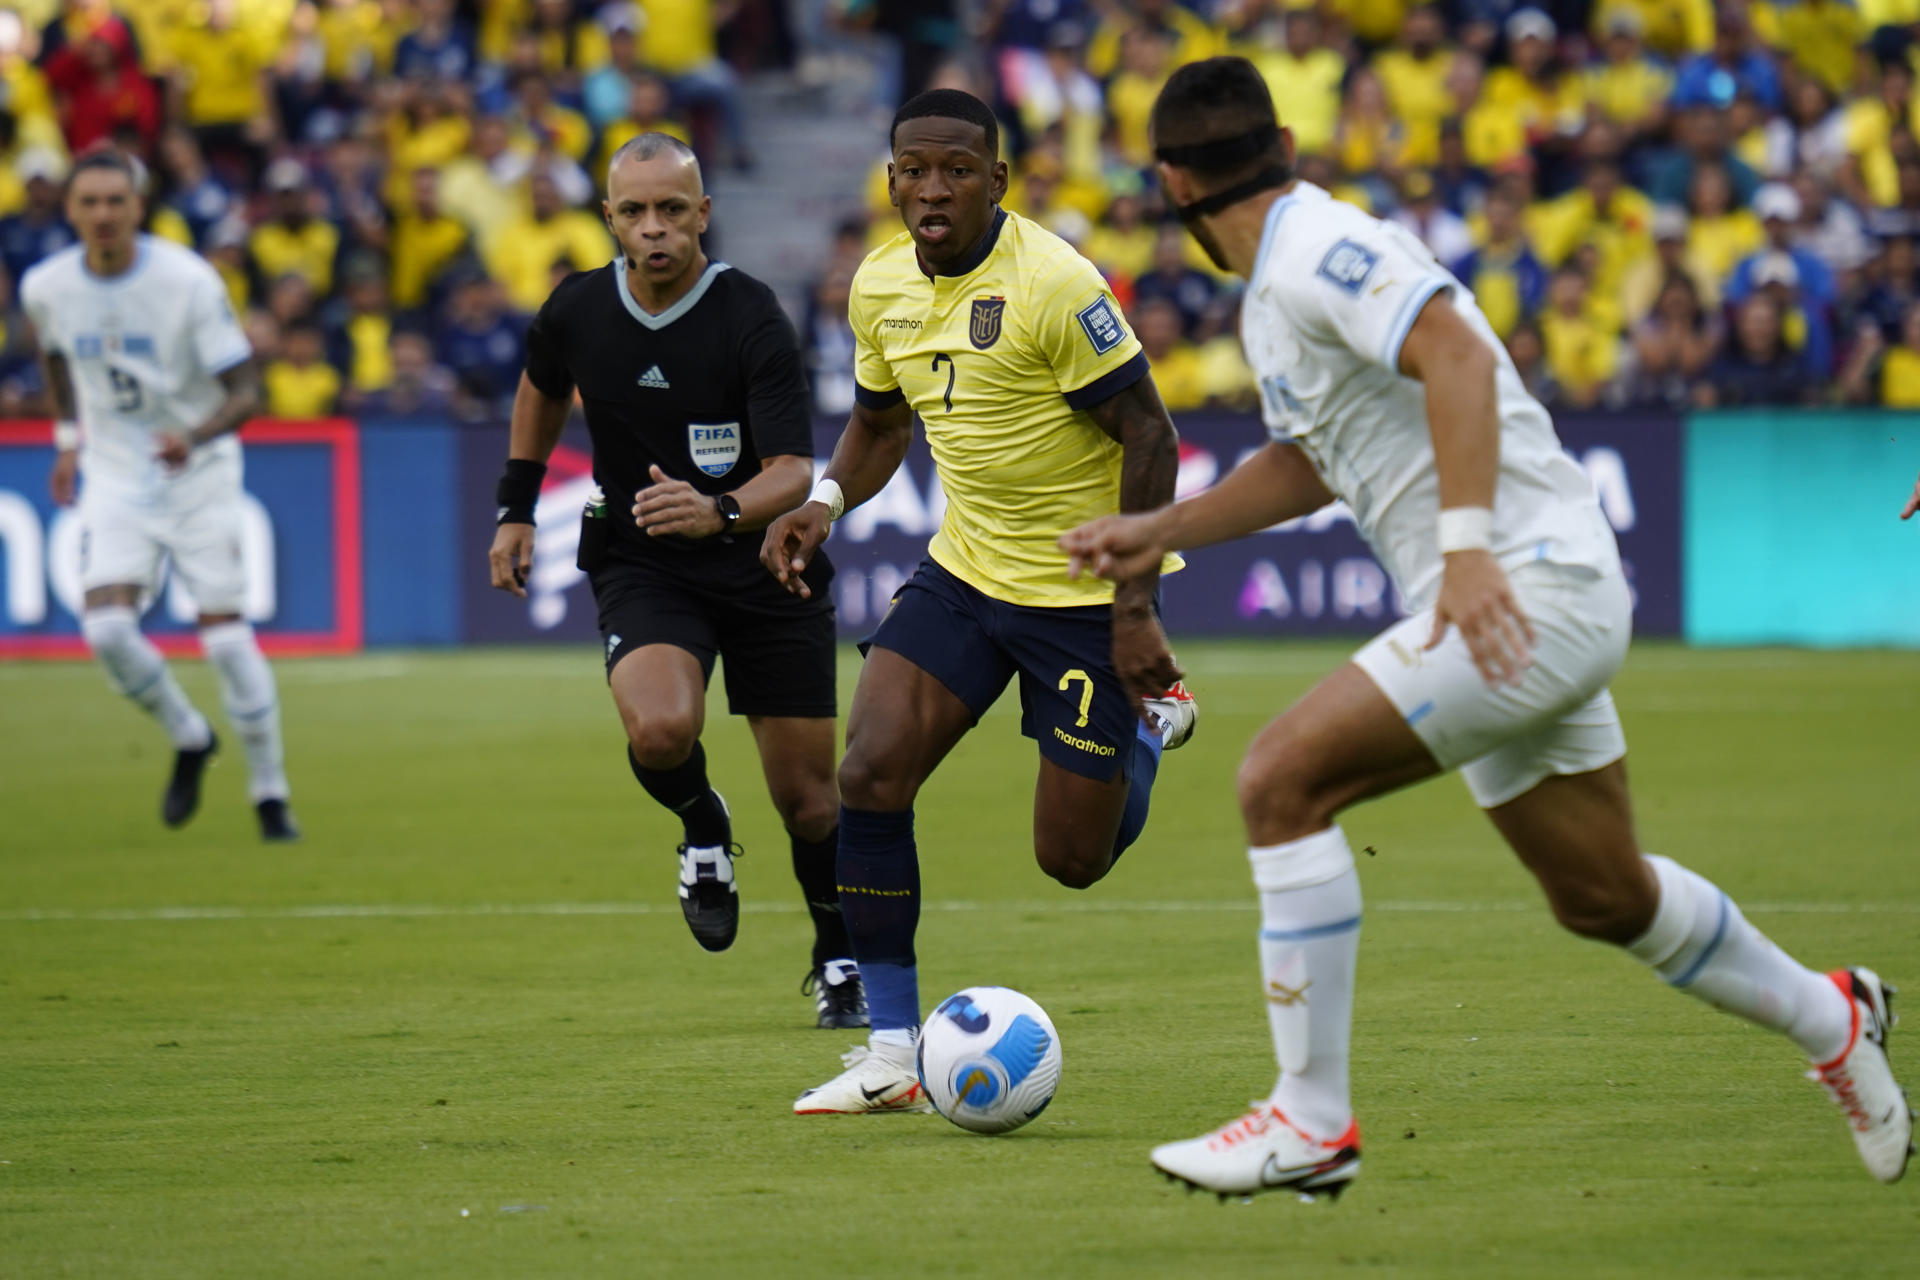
1150,462
243,399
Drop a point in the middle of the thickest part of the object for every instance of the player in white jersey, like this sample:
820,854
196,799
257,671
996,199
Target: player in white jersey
151,376
1382,384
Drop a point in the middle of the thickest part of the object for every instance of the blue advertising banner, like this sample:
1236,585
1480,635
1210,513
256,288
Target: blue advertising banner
301,539
1791,529
1312,577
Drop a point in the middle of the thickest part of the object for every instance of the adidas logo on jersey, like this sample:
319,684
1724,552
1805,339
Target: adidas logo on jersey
654,378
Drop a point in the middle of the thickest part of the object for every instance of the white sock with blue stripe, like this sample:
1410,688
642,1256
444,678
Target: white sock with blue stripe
1700,943
135,668
252,701
1309,941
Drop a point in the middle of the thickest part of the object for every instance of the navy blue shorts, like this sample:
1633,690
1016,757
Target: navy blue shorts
1071,701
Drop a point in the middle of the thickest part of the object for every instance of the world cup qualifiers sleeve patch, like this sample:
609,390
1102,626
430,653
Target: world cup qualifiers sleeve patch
1102,325
1348,265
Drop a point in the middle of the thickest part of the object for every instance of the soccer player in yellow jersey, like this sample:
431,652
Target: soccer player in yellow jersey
1040,410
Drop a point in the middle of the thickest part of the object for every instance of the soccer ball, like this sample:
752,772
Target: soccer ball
989,1059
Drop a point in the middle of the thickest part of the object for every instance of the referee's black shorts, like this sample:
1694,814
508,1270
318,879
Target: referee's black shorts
778,649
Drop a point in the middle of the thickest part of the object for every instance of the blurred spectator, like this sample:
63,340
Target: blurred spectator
1604,213
359,327
1830,228
40,228
193,192
1178,372
1490,135
1628,87
1886,375
1369,141
481,342
1736,64
1304,78
546,122
1701,138
1185,34
1873,124
291,300
829,344
439,47
299,382
1535,87
1640,287
1528,351
1820,37
1671,348
1810,138
1720,233
1122,244
1421,212
1172,280
99,88
1414,73
418,388
347,193
1673,28
1146,59
220,87
1888,286
483,188
1461,184
1504,274
293,241
1809,312
604,93
19,372
1582,347
1757,367
525,250
646,112
426,241
1901,216
226,248
676,39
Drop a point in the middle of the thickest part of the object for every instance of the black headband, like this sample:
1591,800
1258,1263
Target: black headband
1222,153
1277,175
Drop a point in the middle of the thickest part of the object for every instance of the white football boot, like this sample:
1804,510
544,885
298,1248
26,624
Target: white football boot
1174,715
1861,1079
875,1080
1262,1151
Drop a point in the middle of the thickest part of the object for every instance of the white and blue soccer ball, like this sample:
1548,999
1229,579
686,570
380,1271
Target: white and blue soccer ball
989,1059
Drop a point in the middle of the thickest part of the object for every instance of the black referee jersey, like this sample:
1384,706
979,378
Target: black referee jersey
706,389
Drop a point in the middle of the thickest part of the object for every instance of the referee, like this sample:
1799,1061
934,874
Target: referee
697,406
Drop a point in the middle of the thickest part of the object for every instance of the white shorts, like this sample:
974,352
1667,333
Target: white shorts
125,541
1559,719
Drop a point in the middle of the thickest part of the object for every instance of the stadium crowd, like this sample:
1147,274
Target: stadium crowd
1659,203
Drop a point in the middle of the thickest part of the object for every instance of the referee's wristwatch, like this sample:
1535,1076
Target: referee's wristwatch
729,508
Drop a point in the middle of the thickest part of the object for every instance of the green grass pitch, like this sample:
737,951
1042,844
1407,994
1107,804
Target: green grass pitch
461,1030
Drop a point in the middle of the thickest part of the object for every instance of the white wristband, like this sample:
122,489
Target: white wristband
66,435
827,493
1466,529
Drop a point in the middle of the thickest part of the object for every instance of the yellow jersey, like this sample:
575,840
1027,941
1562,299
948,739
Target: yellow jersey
1900,379
300,391
1002,362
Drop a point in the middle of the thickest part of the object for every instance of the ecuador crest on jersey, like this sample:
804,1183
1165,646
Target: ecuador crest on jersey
985,327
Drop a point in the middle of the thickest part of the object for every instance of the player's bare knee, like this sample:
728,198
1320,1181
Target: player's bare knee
661,742
810,814
1278,800
874,782
1606,910
1076,868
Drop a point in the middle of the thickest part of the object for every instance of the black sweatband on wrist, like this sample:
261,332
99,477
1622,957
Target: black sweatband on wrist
519,491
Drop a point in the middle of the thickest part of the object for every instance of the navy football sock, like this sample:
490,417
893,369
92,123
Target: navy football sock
879,875
684,790
1141,771
814,866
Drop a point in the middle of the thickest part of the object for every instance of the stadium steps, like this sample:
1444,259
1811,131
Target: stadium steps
813,146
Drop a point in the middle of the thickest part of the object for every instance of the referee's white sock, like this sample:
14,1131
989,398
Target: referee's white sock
1700,943
135,668
1309,941
252,702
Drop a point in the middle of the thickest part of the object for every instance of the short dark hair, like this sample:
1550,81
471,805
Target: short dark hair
948,104
113,160
1214,99
645,146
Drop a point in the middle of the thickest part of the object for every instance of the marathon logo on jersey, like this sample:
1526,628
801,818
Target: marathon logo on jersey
985,329
1103,326
1348,265
715,446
